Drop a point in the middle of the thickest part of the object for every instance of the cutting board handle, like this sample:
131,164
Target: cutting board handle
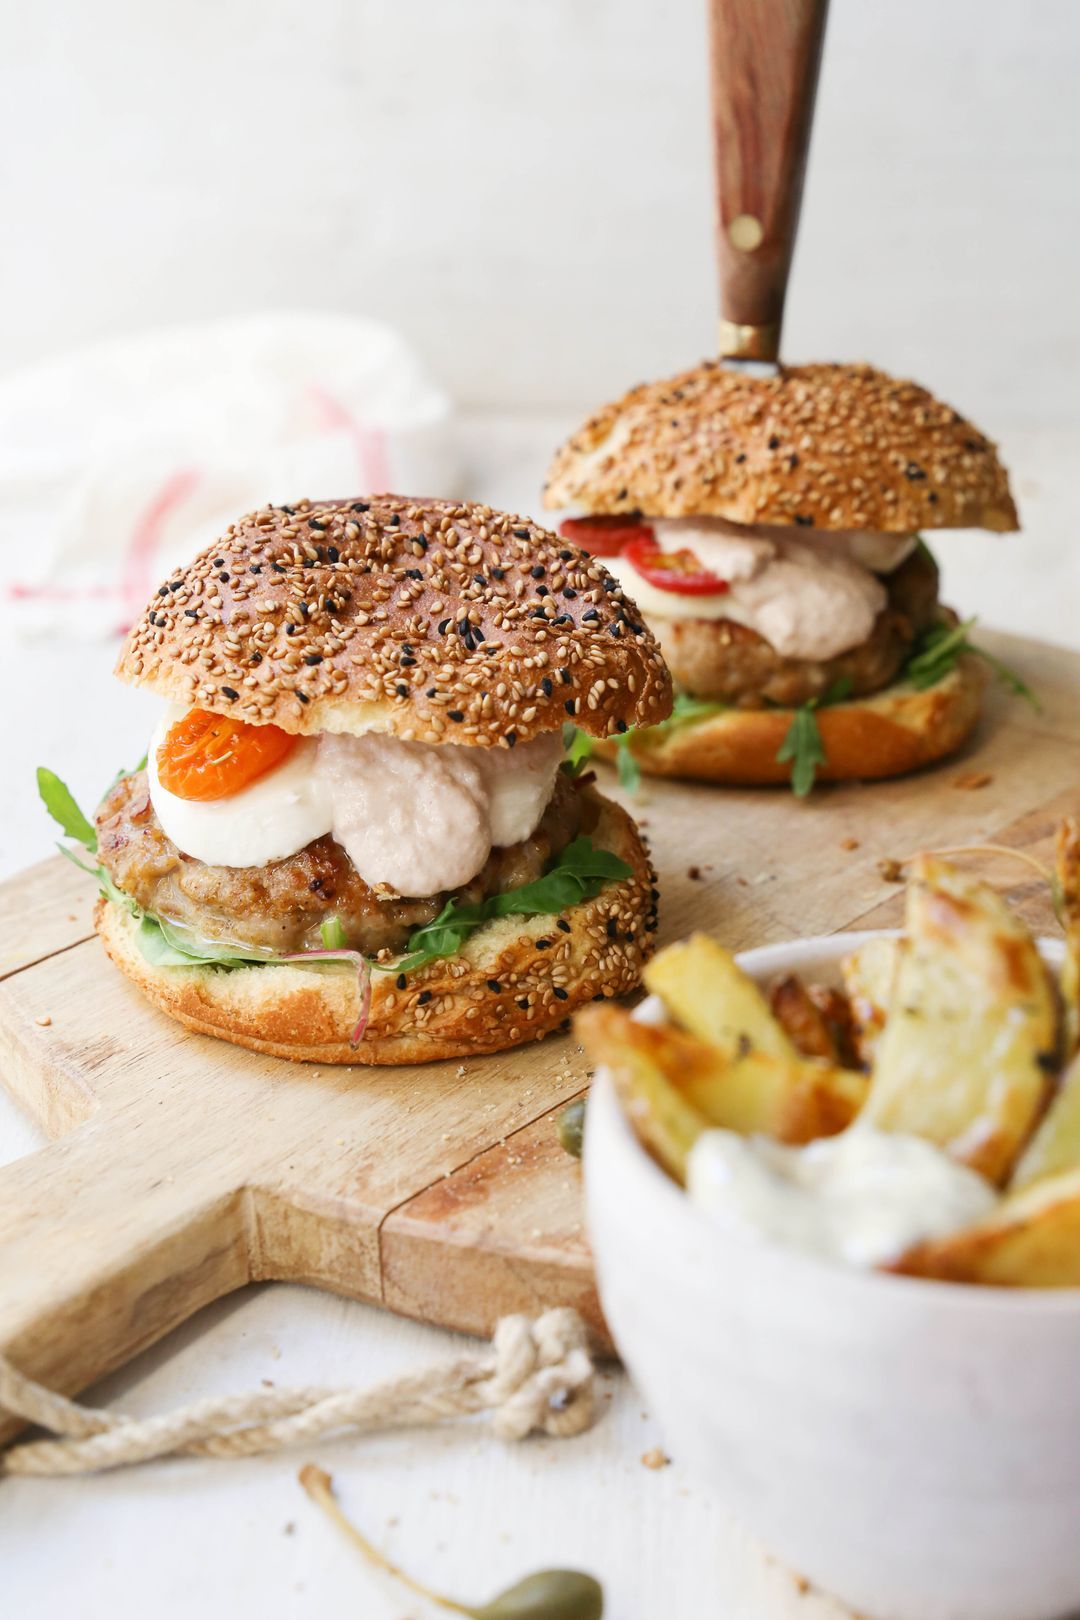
765,56
101,1254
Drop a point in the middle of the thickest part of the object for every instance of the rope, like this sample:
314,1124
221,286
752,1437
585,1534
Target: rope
536,1376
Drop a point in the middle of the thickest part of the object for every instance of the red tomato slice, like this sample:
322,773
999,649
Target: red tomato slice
209,756
603,536
677,571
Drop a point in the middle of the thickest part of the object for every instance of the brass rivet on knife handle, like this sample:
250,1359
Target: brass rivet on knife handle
765,56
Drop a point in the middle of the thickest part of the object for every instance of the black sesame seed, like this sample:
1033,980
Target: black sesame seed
495,987
413,573
805,520
317,523
313,658
615,629
544,944
588,618
498,573
333,553
455,714
423,998
564,676
478,579
563,618
914,472
566,556
522,1001
539,613
395,520
609,584
256,568
570,705
431,692
570,595
277,567
546,687
315,885
511,738
418,540
176,584
305,609
401,981
620,725
163,590
560,993
538,572
774,442
230,692
256,658
563,924
522,534
219,562
793,461
611,928
302,696
191,613
932,497
357,506
444,625
740,457
542,590
290,629
401,689
407,663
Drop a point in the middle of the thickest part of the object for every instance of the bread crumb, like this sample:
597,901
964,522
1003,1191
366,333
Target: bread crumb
43,1020
694,873
655,1458
849,843
972,780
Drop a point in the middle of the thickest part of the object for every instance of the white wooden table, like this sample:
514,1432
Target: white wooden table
461,1510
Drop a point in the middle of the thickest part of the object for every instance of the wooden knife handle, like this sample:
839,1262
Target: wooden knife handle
765,56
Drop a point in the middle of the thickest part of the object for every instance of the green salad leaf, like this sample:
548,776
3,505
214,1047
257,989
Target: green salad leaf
803,746
938,649
579,747
628,767
579,874
59,801
332,934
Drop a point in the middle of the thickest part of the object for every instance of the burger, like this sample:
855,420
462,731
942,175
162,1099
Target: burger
355,838
770,527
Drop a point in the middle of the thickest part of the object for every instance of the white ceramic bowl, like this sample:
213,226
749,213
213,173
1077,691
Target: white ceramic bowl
911,1447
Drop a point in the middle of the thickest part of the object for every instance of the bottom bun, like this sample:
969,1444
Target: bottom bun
515,980
885,734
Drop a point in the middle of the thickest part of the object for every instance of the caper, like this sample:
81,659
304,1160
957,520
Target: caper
572,1126
550,1594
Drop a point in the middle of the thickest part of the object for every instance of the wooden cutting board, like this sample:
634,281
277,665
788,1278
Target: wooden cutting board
184,1168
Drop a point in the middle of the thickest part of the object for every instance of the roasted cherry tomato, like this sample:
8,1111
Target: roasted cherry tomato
677,571
209,756
603,536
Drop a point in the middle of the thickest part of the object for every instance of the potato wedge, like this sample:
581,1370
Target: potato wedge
1056,1144
1031,1240
1067,852
869,974
706,991
970,1045
666,1123
816,1020
793,1099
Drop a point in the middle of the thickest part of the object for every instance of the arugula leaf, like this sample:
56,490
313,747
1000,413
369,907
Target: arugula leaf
687,709
332,934
938,649
579,747
579,874
628,767
802,745
60,803
105,882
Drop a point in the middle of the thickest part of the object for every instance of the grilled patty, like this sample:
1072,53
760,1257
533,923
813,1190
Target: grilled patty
281,906
729,663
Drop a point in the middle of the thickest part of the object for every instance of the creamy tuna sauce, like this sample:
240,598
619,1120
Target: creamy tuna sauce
810,593
864,1196
413,817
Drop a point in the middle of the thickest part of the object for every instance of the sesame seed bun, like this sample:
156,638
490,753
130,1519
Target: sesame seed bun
826,446
887,734
430,620
472,1002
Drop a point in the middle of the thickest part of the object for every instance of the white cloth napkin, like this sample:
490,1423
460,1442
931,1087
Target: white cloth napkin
119,460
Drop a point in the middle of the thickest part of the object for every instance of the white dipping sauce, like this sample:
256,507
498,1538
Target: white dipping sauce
864,1196
415,817
810,593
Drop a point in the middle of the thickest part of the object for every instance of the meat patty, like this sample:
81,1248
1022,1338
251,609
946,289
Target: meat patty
729,663
282,906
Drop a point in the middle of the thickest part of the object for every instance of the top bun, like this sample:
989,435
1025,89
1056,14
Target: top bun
831,447
432,620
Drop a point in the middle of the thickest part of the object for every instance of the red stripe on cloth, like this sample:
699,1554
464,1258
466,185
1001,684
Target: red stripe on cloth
370,443
138,576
